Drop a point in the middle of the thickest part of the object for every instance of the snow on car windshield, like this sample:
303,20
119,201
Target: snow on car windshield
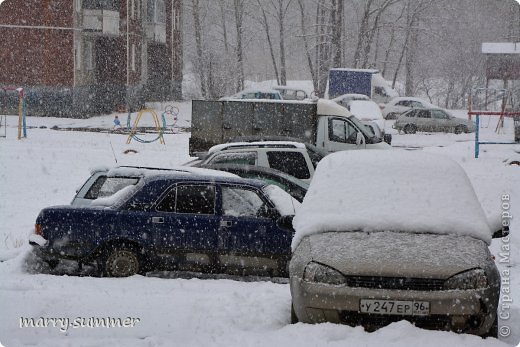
285,203
390,190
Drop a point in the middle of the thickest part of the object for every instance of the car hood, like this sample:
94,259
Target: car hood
398,254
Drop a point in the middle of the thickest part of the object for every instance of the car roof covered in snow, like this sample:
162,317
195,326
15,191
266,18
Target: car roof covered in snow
257,144
404,191
365,110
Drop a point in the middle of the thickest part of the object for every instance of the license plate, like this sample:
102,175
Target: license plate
396,307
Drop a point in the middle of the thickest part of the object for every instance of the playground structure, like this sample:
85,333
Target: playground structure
493,102
170,111
22,125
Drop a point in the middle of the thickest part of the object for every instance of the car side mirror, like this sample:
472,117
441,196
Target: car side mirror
387,138
360,139
285,222
501,233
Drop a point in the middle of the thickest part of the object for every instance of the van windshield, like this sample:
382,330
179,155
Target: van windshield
363,129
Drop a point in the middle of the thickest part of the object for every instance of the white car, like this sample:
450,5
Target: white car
344,99
294,158
263,94
367,111
398,106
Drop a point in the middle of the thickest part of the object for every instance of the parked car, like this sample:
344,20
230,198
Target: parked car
432,119
367,111
290,93
399,105
295,187
106,181
344,99
252,93
290,157
174,221
374,128
419,252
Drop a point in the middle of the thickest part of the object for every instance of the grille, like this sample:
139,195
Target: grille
374,321
401,283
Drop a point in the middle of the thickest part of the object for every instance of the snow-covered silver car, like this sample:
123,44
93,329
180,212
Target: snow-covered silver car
419,252
432,119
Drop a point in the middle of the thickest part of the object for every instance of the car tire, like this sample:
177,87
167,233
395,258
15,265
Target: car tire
52,263
294,318
391,115
493,331
459,129
410,129
120,260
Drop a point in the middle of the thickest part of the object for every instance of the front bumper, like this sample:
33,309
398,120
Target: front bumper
468,311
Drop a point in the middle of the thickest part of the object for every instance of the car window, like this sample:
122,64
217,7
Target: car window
106,186
240,202
370,129
411,114
423,114
314,154
292,163
416,104
341,130
405,103
194,199
439,114
245,158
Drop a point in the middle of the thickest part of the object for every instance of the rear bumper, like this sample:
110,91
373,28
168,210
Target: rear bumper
468,311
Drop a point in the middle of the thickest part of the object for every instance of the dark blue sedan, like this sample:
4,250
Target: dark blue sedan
174,221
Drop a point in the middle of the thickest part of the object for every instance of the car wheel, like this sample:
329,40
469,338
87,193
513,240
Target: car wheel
52,263
459,129
391,115
410,129
493,331
120,261
294,318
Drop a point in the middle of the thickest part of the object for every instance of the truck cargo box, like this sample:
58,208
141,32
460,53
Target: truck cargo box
215,122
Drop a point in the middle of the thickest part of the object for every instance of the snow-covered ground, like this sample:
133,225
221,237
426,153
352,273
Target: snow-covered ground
48,166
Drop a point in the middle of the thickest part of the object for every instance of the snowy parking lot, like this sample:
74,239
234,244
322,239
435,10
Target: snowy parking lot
48,166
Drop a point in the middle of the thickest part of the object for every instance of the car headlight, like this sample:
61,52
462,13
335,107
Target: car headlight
471,279
315,272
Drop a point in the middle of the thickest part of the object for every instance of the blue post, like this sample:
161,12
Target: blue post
477,143
24,126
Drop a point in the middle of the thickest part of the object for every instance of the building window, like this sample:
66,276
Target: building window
77,55
89,56
160,11
133,57
78,5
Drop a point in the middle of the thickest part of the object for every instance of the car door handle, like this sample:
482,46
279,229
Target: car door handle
157,220
225,223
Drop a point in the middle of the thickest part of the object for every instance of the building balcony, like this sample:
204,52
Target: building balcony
102,21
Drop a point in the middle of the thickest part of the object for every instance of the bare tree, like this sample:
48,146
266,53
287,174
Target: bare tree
198,43
305,39
239,22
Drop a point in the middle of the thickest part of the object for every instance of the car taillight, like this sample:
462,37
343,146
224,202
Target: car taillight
38,229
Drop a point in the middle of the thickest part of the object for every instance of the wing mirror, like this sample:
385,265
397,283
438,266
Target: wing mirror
387,138
360,139
501,233
285,222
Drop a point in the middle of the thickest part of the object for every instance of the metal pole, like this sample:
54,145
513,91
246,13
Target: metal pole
477,143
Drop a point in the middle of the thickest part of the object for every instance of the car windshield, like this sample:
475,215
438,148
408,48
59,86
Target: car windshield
361,127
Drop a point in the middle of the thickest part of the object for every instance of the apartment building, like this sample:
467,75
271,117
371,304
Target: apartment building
84,57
